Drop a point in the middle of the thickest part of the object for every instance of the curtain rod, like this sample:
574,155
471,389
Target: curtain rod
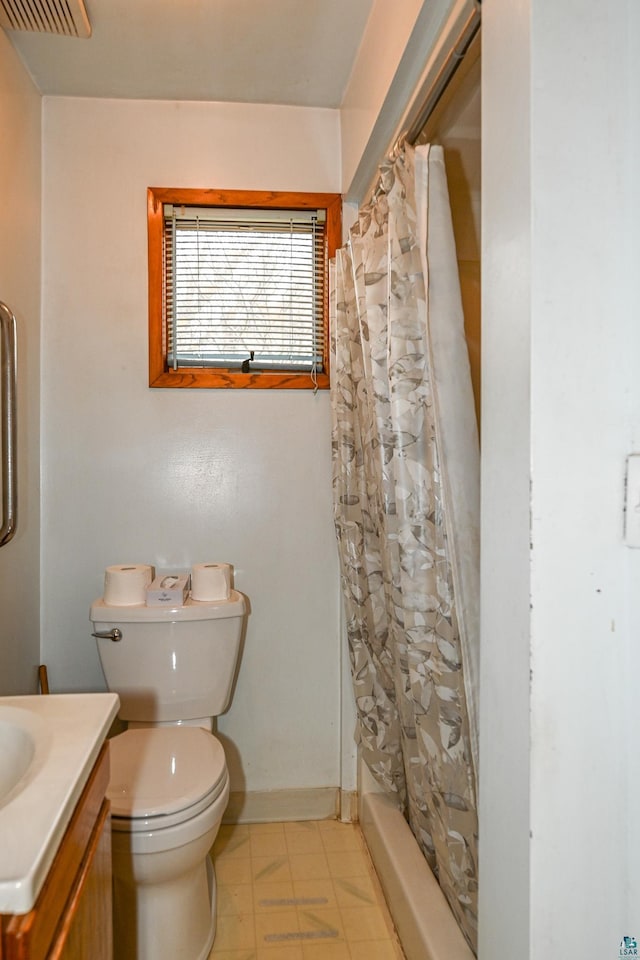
429,100
405,111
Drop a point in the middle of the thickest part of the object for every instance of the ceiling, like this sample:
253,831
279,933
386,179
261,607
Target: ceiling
297,52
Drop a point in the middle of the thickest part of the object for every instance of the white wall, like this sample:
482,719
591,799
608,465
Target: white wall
173,477
20,290
560,765
383,44
402,50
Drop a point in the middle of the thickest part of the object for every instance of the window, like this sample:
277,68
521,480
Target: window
238,287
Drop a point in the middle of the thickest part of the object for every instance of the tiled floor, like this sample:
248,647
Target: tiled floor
299,891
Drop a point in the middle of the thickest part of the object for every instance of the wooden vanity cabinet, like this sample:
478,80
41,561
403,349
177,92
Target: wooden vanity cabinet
72,918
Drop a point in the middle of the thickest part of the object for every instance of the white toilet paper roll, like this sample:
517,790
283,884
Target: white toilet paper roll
126,584
211,581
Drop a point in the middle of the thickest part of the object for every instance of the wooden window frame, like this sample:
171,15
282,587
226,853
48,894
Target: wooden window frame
160,373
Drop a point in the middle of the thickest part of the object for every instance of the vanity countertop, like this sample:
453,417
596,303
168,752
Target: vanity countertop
48,746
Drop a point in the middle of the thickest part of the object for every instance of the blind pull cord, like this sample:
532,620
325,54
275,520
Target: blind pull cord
314,321
174,302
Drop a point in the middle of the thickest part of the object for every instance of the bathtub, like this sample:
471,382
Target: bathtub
425,924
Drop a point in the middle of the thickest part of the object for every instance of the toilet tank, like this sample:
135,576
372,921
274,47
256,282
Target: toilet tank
173,664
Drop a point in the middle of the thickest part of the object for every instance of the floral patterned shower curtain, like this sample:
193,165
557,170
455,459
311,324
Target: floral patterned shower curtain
406,491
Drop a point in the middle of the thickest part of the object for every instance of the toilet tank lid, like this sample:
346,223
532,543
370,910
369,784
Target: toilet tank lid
235,606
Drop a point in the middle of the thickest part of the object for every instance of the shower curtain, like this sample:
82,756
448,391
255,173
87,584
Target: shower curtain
406,509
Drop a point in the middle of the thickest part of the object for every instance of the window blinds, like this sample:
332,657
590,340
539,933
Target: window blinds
244,288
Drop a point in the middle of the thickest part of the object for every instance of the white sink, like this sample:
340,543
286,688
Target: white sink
20,731
48,746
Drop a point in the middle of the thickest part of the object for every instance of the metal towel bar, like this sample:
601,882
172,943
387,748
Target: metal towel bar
8,415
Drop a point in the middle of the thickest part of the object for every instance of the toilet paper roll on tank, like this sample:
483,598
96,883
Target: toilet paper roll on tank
125,584
211,581
129,584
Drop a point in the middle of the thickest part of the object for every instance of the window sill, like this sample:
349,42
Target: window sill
226,379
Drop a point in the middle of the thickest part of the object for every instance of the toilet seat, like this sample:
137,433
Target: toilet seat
163,776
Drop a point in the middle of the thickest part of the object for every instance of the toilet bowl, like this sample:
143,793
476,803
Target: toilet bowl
169,789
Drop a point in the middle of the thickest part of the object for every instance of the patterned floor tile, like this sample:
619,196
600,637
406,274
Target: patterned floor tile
316,893
326,951
375,950
277,928
346,837
235,900
285,952
299,891
232,844
235,933
355,892
347,863
309,866
365,923
304,841
277,895
270,869
233,870
268,844
259,828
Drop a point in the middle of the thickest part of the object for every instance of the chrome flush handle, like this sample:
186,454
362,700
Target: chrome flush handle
114,634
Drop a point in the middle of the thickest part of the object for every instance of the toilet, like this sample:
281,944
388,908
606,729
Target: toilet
174,671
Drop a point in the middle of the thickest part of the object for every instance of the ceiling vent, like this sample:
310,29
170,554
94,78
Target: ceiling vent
66,17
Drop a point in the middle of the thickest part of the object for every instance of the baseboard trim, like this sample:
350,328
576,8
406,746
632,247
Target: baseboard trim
273,806
348,812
